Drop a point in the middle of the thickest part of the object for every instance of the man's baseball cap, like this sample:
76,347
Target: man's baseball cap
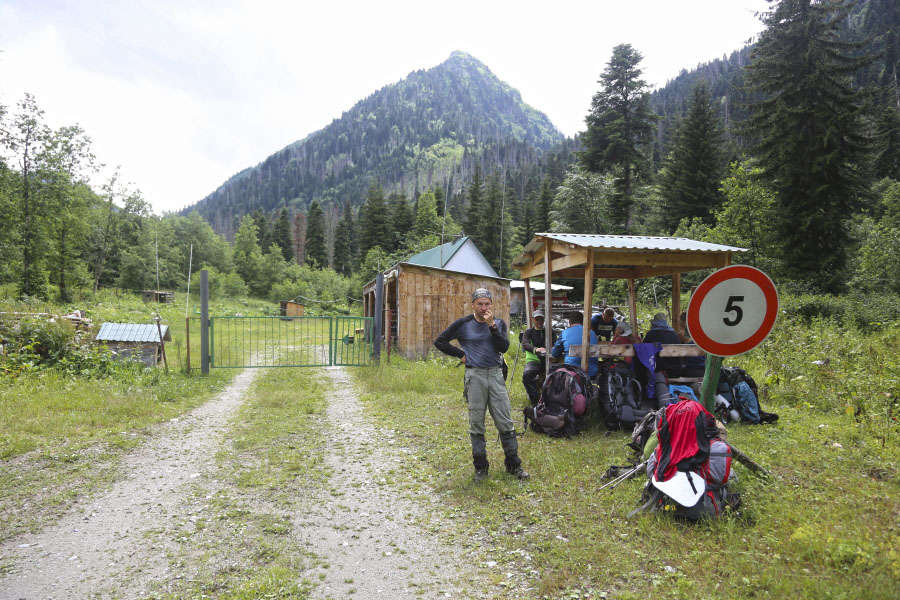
537,314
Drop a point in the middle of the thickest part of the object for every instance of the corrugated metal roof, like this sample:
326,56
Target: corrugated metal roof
432,257
636,242
132,332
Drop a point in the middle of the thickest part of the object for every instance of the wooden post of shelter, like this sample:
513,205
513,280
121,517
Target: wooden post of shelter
588,308
548,303
527,303
632,304
676,303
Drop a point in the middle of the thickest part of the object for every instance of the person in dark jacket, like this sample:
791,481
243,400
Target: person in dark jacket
604,324
483,340
534,343
660,331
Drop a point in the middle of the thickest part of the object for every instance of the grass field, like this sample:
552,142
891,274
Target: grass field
826,524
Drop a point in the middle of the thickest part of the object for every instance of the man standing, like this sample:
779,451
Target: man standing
571,336
483,340
534,342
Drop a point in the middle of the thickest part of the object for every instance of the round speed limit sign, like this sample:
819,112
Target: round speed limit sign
732,310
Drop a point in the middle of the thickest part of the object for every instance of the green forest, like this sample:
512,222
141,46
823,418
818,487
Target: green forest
789,148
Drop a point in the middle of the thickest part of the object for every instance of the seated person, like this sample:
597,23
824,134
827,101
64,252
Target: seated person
624,335
533,342
604,324
660,331
571,336
694,366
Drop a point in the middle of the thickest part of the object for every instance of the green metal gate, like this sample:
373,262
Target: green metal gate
246,342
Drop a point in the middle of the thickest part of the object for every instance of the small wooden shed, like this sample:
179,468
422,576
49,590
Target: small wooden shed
593,256
428,291
289,308
158,296
135,340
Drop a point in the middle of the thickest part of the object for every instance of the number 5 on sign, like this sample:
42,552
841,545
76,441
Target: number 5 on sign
732,310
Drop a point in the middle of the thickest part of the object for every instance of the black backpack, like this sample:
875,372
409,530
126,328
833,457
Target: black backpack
620,396
744,403
566,401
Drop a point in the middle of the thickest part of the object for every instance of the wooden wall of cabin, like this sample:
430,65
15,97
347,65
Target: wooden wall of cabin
427,302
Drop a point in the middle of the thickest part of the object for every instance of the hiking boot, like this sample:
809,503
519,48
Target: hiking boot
481,474
519,473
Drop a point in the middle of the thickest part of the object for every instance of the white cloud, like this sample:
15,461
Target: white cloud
184,94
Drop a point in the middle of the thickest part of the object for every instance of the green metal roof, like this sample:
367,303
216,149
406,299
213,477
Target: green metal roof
439,256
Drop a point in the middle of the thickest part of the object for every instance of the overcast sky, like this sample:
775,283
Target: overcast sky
183,94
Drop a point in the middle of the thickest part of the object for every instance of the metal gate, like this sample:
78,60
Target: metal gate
243,342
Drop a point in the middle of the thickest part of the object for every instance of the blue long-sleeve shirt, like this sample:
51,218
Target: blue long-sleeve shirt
572,337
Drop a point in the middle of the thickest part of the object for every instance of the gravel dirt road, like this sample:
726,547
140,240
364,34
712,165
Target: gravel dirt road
367,534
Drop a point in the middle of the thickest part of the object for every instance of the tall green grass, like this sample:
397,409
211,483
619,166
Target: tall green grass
824,525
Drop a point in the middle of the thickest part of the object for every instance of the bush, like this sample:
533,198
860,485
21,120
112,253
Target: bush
872,312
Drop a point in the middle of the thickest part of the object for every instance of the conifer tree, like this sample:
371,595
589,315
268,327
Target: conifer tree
344,237
811,142
316,251
620,126
694,168
263,234
281,235
374,222
402,219
474,223
543,222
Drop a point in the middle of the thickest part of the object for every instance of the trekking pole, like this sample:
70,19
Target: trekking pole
626,475
748,462
515,364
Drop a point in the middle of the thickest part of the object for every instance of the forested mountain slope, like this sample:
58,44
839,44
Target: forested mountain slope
429,129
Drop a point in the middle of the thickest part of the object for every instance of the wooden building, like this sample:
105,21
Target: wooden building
289,308
428,291
135,340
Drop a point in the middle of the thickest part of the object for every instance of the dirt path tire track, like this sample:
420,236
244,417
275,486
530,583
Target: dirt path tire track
371,536
86,552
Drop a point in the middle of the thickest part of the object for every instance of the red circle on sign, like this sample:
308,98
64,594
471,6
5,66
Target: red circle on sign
752,274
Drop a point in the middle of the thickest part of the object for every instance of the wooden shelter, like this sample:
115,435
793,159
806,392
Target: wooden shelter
428,291
590,256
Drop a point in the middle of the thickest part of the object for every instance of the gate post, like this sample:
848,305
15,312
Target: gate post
379,316
204,322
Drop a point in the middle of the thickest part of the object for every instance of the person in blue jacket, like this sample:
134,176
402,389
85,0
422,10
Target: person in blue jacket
571,336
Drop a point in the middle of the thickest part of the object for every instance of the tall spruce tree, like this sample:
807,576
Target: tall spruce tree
281,235
402,219
694,168
810,139
474,223
344,242
374,222
263,233
316,251
620,126
543,222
